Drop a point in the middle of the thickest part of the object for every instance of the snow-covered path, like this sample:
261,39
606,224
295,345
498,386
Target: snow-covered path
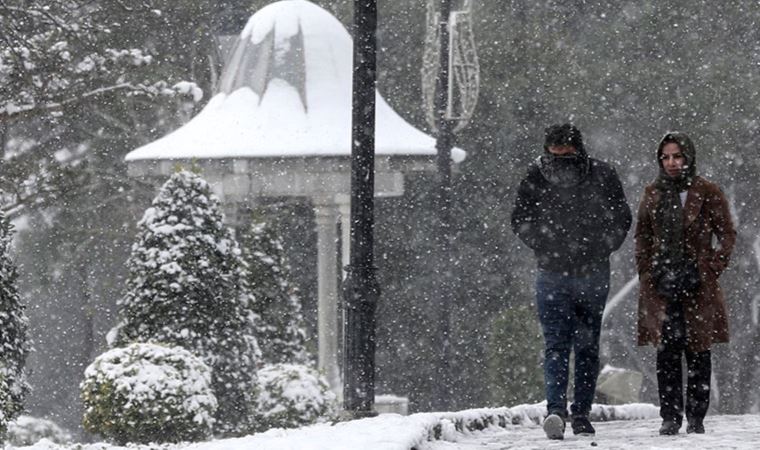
723,432
503,428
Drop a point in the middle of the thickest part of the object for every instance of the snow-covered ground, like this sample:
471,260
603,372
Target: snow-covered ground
723,432
635,427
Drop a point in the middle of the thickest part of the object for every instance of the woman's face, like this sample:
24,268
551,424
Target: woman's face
673,159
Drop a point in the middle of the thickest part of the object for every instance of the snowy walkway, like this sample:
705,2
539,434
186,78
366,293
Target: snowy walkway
723,432
635,427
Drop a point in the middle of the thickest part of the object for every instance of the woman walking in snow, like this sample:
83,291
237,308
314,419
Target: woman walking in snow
681,308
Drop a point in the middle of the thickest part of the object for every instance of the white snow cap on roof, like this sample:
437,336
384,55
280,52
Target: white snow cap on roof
286,91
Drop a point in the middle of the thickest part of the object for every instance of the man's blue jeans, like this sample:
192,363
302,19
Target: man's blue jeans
570,309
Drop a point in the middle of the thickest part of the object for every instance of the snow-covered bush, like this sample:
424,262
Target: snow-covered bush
292,395
13,334
187,286
148,393
280,328
28,430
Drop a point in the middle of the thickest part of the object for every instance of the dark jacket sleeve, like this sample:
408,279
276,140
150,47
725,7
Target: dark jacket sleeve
525,214
620,212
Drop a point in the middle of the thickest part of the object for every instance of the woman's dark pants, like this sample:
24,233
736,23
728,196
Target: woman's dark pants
670,352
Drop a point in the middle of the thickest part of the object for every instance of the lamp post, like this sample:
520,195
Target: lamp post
444,143
361,290
450,82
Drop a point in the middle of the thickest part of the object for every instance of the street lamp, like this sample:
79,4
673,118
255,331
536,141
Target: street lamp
361,290
450,84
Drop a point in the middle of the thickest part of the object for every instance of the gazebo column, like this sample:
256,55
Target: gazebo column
326,215
344,207
232,216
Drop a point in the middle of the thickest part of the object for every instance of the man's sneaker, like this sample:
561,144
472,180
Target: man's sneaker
695,426
582,426
669,428
554,426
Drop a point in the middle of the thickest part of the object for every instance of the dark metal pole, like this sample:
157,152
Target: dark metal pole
361,290
444,144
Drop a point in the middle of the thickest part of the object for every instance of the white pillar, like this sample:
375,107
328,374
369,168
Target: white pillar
344,207
326,215
232,216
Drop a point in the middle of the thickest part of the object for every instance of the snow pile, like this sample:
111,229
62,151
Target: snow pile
292,395
148,392
28,430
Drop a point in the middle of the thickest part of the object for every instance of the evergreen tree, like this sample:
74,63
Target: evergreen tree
187,286
81,84
69,82
277,303
13,334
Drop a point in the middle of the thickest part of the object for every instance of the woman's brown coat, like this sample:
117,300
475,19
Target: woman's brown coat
706,214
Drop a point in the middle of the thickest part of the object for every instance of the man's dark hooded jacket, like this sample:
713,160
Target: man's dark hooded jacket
572,229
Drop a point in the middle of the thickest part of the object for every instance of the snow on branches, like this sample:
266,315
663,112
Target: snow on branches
187,286
13,334
293,395
149,393
281,331
57,54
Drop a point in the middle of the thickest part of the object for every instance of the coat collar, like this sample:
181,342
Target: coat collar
694,199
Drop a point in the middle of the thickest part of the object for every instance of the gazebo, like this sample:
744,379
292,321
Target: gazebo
279,125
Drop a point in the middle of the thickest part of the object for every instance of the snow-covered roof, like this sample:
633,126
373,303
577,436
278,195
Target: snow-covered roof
286,91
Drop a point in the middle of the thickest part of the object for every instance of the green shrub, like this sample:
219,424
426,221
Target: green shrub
515,356
292,395
148,393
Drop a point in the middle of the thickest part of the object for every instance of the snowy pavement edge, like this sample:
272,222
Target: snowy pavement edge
386,432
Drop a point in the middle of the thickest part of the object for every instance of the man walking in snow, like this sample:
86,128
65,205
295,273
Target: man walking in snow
571,210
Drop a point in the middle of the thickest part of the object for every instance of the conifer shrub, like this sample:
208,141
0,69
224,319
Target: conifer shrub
290,396
14,345
146,393
280,330
187,286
